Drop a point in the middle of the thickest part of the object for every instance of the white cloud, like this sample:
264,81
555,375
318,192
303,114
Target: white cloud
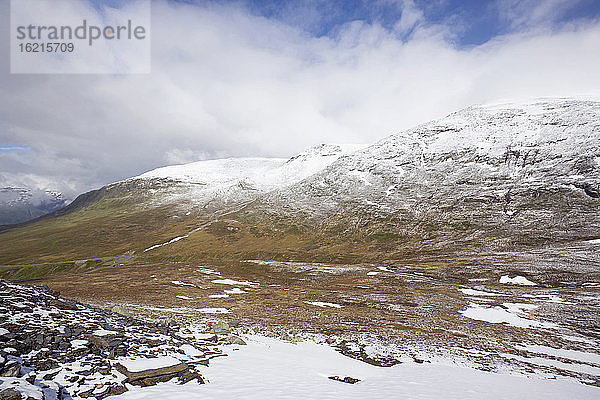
184,156
225,83
526,14
410,18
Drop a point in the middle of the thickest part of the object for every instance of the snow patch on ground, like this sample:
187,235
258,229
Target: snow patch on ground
545,362
575,355
473,292
180,283
591,284
301,371
141,364
517,280
78,343
323,304
210,310
208,271
104,332
235,291
509,313
233,283
547,298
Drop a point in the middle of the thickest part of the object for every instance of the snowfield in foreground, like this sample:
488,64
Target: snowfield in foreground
272,369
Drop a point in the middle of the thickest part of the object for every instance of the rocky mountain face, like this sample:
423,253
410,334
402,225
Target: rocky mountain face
493,176
23,204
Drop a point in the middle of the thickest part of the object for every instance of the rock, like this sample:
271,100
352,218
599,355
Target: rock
86,393
154,342
104,370
11,369
104,342
121,311
63,304
118,351
64,345
151,377
220,327
10,394
116,389
190,376
44,364
234,323
30,377
50,375
91,338
39,339
232,339
345,380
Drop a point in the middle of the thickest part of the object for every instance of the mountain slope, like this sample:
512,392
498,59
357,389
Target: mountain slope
490,180
136,213
509,173
214,184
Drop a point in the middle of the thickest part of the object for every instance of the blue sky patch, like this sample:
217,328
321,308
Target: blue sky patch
9,148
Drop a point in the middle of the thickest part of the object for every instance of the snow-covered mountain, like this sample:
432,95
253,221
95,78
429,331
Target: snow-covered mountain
496,178
498,155
517,168
264,173
485,153
231,180
19,204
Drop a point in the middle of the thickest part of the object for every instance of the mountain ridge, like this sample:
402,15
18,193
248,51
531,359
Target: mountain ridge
493,178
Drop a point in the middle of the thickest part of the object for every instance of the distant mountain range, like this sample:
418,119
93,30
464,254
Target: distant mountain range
19,204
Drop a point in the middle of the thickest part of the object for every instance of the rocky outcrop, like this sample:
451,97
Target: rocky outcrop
59,348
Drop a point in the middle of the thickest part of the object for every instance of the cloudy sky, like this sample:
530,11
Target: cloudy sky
271,78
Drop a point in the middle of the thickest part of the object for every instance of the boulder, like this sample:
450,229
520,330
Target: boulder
220,327
10,394
11,369
63,304
232,339
151,377
234,323
121,311
104,342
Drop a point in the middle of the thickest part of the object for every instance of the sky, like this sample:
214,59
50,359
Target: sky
272,78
